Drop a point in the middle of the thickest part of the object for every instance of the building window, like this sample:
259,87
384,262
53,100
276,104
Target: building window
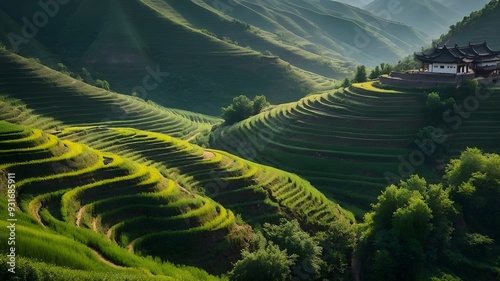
442,66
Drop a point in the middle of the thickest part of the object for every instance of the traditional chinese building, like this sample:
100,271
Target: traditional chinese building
477,58
450,66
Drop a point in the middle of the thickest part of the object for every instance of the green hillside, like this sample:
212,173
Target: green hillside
465,7
124,49
86,203
355,3
479,26
141,181
439,15
121,198
351,143
72,103
205,55
259,193
330,29
37,96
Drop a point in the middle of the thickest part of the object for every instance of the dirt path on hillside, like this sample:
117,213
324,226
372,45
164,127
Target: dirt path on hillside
102,259
36,214
192,137
184,189
94,225
130,246
108,234
79,216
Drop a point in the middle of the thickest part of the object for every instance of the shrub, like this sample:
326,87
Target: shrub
289,236
360,74
435,106
242,107
375,73
259,103
269,263
102,84
346,83
64,69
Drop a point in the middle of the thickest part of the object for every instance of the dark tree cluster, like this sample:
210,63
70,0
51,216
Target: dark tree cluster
445,231
242,107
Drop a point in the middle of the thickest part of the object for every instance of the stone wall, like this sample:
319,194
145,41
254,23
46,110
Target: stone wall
493,80
424,79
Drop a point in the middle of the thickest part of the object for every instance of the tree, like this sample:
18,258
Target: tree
289,236
375,73
242,107
412,221
474,180
102,84
338,243
360,74
259,103
346,83
269,263
436,106
63,69
87,78
408,63
433,102
385,68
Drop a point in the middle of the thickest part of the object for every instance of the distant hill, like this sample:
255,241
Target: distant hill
464,7
355,3
479,26
123,42
430,16
206,54
330,28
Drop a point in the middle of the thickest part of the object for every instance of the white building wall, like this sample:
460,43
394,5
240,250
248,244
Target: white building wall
443,68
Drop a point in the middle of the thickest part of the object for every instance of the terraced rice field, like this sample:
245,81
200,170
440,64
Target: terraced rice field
65,184
480,125
342,141
346,142
36,96
259,193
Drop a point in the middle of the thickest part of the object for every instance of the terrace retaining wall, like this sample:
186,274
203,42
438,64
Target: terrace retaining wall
424,79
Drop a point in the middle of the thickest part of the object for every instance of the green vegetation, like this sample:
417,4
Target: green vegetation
257,192
112,186
302,256
269,263
438,15
299,245
475,27
242,107
60,186
103,84
360,74
214,67
82,104
435,106
346,83
418,230
30,270
328,139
